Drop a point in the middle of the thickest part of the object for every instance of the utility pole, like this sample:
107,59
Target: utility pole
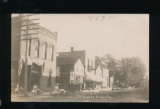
25,23
113,74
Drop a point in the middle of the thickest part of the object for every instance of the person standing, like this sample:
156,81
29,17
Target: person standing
34,91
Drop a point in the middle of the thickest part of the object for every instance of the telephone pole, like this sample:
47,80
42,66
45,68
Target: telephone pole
26,28
113,69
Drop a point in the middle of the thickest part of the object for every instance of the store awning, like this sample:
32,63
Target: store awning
93,77
31,61
37,61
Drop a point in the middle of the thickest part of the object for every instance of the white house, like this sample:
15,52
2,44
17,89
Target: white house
99,77
71,71
106,80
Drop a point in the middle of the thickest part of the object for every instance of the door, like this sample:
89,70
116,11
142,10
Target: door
35,76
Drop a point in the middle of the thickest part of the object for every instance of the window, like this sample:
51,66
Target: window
45,51
52,52
37,49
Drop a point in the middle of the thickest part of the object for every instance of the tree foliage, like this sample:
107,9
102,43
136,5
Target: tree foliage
129,71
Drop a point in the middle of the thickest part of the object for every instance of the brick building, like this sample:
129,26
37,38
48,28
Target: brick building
41,57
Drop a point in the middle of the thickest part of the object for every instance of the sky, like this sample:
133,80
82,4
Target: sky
122,35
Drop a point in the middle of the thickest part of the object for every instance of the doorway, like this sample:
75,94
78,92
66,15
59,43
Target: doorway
35,76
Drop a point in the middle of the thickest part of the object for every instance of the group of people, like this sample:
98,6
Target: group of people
36,91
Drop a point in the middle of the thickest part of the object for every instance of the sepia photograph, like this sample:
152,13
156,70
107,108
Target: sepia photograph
80,58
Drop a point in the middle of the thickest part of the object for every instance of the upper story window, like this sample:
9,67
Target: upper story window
36,49
45,51
51,52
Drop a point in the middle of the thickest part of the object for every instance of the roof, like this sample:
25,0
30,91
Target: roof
74,54
66,60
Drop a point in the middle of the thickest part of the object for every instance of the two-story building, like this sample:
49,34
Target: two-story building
99,77
41,57
105,78
71,71
102,75
88,59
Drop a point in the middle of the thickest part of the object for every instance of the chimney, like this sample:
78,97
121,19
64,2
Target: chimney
72,49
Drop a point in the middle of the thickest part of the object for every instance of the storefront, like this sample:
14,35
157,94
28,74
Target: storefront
34,72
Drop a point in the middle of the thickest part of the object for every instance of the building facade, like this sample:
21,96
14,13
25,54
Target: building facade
71,71
99,77
102,75
88,59
41,57
105,79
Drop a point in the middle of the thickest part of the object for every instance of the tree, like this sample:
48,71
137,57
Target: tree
98,61
109,62
132,71
129,71
137,72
